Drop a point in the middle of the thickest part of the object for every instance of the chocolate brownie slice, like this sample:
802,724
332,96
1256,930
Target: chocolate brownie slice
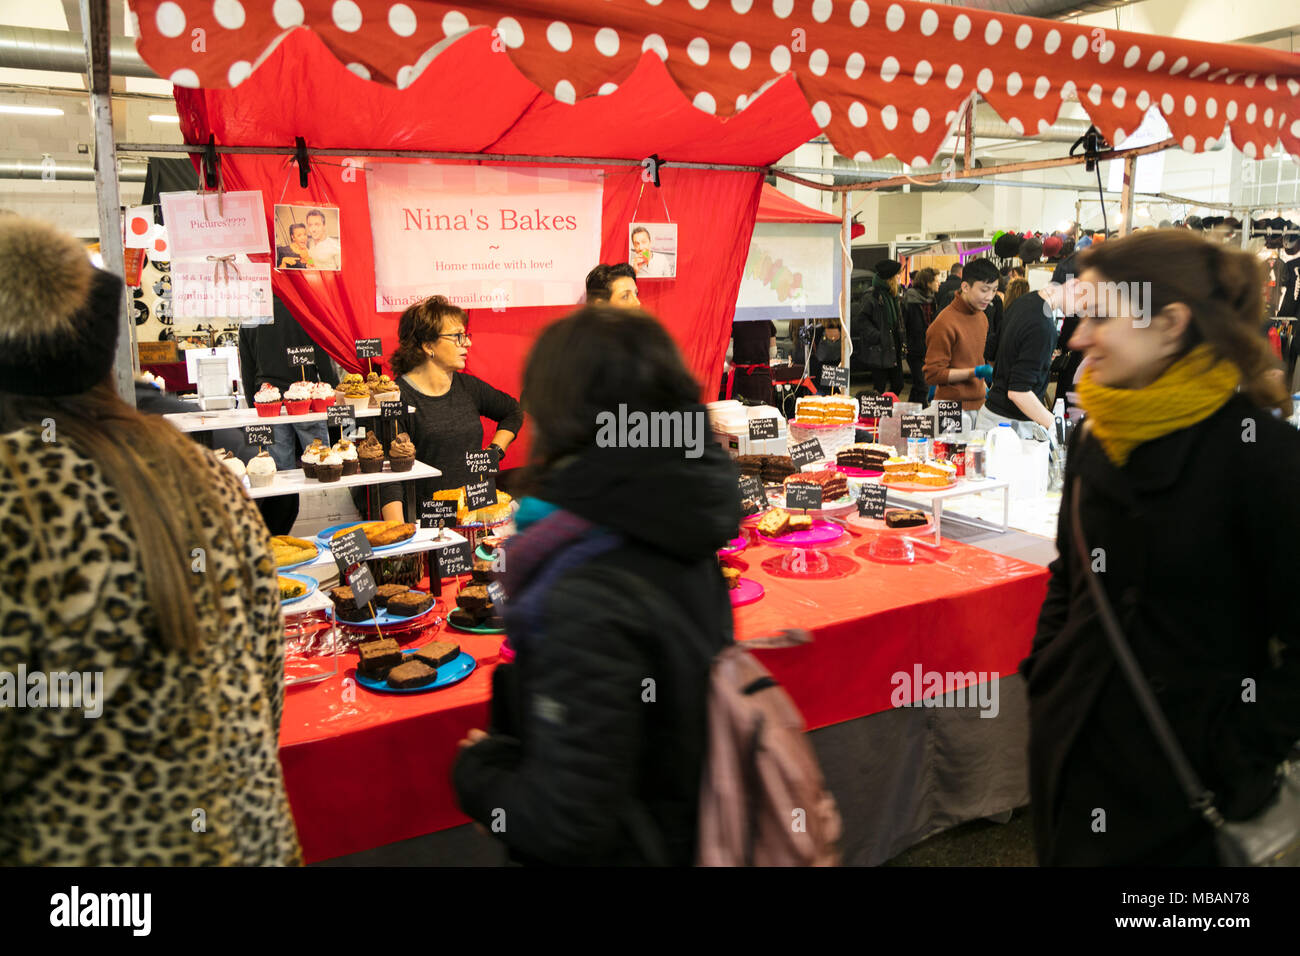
345,608
386,591
409,604
377,657
473,598
482,570
412,674
438,653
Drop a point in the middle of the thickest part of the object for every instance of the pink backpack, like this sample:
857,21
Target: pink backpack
763,800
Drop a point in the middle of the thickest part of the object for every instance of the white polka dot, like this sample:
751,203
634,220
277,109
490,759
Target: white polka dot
1132,56
857,114
360,69
780,60
1251,112
1080,47
889,116
606,41
703,101
401,19
1211,107
1118,98
740,55
229,13
698,51
1094,94
1143,100
1209,142
1231,111
819,62
1249,150
606,89
921,75
1295,128
862,156
185,78
1189,105
510,32
859,13
557,35
1198,71
1016,125
993,32
1251,80
894,17
920,161
821,10
1157,60
1106,53
1233,79
1120,136
565,93
953,79
655,42
888,69
239,71
1271,81
1180,64
1043,126
404,77
1014,83
287,13
1189,144
921,120
1041,86
454,23
929,22
952,114
1293,87
984,82
821,113
1217,73
782,8
1052,42
1068,90
741,6
961,27
654,3
698,4
1024,36
132,23
347,16
170,19
1268,116
1167,105
856,64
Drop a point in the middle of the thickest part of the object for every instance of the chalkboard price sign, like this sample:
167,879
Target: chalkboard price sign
437,513
496,594
762,428
301,355
481,462
391,410
876,406
351,548
871,500
803,497
336,416
918,426
835,377
453,560
480,494
362,583
950,421
806,452
369,348
255,435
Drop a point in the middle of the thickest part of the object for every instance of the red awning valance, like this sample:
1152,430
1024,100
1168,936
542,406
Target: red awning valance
776,206
880,76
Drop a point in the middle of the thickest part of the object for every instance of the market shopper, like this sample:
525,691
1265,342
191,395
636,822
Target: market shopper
954,344
615,609
614,284
753,346
948,288
1016,287
918,314
136,577
433,343
1180,390
877,328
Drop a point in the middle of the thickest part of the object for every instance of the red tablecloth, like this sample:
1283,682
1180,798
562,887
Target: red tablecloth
365,769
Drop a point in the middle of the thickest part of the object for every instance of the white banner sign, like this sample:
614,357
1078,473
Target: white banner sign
483,236
200,294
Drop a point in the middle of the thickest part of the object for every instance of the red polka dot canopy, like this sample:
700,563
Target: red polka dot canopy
880,77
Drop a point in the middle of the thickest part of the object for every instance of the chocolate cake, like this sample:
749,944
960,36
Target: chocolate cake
864,455
377,657
409,604
751,465
438,653
776,467
473,598
386,591
905,518
413,673
832,483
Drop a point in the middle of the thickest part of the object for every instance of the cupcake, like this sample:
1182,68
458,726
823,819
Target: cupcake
297,398
401,454
322,396
261,470
353,390
311,457
383,389
371,455
267,401
348,452
235,465
330,467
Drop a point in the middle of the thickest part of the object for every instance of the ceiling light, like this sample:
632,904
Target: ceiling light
30,110
161,118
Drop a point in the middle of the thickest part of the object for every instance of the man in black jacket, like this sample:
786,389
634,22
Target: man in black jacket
948,288
918,313
877,329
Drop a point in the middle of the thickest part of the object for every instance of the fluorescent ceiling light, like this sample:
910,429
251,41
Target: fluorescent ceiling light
160,118
30,110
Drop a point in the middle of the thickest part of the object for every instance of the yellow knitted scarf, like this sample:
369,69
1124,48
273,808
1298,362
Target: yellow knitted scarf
1190,390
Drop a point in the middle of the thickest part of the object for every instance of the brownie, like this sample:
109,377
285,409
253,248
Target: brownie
905,519
462,619
482,570
409,604
386,591
494,621
473,598
413,673
378,655
345,608
438,653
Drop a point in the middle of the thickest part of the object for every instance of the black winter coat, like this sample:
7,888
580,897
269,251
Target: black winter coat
918,312
587,770
1200,567
947,289
877,344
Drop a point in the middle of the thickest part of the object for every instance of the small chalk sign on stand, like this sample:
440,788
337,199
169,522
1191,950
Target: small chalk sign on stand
369,348
437,513
496,594
480,494
950,420
390,410
350,549
835,377
453,560
918,426
806,452
301,355
481,462
751,489
803,497
258,435
871,501
762,428
362,583
336,416
876,406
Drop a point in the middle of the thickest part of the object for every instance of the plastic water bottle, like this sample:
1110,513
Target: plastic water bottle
1295,410
1003,452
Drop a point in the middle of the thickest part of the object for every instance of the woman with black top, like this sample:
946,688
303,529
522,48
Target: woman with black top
429,366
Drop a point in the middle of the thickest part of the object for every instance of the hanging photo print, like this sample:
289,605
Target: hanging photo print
307,237
652,249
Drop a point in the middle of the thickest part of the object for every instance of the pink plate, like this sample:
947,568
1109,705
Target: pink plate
821,533
734,546
878,524
746,593
858,472
915,486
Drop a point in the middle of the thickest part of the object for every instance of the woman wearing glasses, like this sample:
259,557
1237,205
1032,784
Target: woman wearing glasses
429,365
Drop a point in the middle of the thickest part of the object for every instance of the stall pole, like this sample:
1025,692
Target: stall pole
95,20
846,266
1245,230
969,139
1126,196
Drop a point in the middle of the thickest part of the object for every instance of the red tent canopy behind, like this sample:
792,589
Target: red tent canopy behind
776,206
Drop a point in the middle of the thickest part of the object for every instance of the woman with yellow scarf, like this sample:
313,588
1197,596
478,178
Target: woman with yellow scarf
1183,476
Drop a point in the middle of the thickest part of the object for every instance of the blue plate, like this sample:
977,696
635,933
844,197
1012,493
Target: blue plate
451,673
298,564
324,535
386,618
311,583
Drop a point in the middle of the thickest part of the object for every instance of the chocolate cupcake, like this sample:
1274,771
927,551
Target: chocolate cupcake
402,453
370,453
330,467
311,458
348,452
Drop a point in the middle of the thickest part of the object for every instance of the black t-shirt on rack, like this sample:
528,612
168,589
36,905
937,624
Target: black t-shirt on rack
443,428
1024,359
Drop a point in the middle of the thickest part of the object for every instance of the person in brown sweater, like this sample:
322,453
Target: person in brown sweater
954,343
